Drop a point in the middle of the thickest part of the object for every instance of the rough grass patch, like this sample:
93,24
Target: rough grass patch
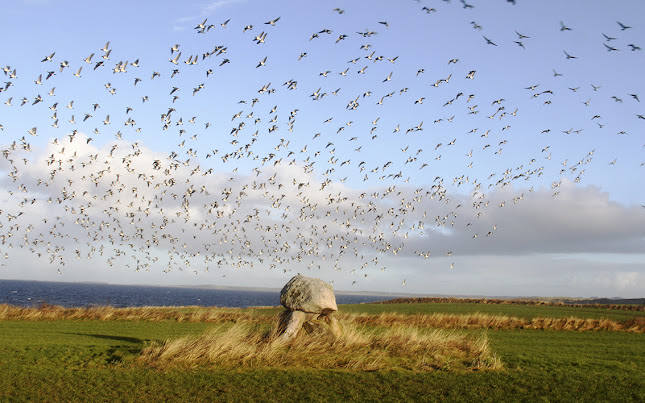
497,322
478,320
147,313
357,348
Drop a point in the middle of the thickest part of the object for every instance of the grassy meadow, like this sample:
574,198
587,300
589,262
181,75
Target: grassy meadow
395,352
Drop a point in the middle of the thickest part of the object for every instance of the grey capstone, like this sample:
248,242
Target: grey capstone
306,294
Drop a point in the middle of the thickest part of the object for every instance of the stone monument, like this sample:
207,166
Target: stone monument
310,303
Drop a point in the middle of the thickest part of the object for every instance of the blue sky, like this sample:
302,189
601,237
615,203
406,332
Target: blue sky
396,150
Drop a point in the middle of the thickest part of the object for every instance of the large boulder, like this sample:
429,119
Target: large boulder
311,295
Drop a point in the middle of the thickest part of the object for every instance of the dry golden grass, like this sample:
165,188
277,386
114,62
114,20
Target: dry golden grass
480,320
356,348
107,313
237,315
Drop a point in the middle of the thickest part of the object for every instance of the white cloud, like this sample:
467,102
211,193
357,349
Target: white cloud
205,11
624,281
210,8
128,206
523,275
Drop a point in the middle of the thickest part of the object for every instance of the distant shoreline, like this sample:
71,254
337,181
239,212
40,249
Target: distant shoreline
565,300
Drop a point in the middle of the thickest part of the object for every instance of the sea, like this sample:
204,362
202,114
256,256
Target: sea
38,293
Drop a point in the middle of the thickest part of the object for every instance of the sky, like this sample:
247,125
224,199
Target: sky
425,147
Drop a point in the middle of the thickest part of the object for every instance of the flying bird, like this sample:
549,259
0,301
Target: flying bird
272,22
488,41
49,58
622,26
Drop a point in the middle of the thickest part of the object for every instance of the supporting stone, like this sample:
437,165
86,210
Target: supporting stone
290,323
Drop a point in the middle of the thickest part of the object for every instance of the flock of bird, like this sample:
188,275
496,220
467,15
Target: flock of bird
266,192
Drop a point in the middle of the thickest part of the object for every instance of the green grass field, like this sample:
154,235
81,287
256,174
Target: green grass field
94,360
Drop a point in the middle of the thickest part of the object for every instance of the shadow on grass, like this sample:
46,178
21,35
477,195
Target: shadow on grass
110,337
120,351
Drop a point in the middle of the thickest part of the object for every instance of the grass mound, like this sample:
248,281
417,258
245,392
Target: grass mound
358,348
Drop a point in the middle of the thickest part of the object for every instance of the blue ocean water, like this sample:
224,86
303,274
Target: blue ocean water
34,293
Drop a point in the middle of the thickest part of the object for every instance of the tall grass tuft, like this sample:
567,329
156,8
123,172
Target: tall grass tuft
357,348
